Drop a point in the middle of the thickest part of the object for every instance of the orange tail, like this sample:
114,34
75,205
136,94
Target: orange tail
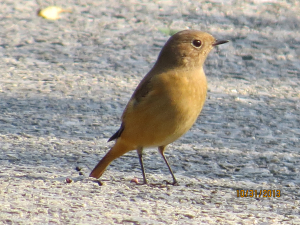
115,152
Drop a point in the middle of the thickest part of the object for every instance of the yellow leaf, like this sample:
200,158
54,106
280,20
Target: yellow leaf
51,12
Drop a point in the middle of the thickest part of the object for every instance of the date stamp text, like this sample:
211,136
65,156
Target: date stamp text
258,193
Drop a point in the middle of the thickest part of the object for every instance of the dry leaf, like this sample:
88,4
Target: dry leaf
51,12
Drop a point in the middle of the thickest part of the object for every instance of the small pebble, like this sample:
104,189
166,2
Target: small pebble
100,183
78,168
134,180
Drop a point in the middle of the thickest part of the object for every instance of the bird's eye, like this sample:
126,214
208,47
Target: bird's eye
197,43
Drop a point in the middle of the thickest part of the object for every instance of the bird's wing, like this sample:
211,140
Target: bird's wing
140,92
117,134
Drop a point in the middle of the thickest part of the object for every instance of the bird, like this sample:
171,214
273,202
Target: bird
167,101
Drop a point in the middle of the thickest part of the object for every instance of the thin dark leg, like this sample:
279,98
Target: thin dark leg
140,154
161,150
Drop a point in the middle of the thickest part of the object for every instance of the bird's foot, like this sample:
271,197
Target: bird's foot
159,185
165,183
174,183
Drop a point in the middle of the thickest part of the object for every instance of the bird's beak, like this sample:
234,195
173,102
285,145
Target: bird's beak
219,42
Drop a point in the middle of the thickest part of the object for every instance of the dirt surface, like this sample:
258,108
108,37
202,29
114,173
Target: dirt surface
64,85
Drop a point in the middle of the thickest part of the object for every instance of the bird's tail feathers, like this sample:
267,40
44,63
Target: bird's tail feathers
116,151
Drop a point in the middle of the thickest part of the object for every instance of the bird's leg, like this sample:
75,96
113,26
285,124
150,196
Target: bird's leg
161,149
140,154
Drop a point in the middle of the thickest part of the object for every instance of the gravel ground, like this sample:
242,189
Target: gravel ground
64,85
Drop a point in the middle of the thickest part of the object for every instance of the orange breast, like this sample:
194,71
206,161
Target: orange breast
168,111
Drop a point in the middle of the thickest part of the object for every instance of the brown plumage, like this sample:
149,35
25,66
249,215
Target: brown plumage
167,101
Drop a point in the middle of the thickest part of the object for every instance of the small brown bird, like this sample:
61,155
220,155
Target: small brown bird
167,101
